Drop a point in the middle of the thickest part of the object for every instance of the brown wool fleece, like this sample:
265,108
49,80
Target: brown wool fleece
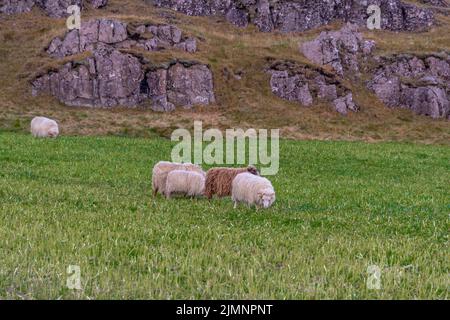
219,180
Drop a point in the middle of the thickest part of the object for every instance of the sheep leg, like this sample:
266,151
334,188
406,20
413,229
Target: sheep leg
235,205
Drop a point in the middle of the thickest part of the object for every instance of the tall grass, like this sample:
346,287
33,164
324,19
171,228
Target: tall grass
341,207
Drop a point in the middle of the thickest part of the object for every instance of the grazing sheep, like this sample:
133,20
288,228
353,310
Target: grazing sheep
218,180
188,183
162,169
252,190
42,127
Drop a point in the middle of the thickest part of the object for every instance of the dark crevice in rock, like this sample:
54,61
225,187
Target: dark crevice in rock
144,89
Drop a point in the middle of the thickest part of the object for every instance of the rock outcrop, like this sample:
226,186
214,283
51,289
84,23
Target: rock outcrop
341,50
306,85
181,84
437,3
110,78
100,33
107,79
98,3
421,84
294,16
16,6
53,8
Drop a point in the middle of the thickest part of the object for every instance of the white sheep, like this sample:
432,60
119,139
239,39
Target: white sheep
188,183
253,190
42,127
162,169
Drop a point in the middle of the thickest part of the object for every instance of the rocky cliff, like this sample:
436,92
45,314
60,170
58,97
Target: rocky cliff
110,78
301,15
53,8
419,83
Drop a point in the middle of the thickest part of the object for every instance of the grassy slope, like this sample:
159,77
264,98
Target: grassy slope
246,103
342,206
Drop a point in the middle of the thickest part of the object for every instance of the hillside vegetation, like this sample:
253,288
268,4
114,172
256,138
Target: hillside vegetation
245,102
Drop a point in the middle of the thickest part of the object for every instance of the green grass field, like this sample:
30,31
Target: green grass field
341,207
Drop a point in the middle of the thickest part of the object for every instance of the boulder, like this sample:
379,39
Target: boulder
306,85
116,34
339,50
111,31
421,84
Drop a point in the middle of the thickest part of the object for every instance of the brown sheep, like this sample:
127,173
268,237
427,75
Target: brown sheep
219,180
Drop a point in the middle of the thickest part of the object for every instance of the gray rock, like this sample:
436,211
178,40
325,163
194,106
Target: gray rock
89,34
338,49
328,92
421,84
439,67
388,91
263,17
68,46
238,17
111,31
115,34
16,6
98,3
297,16
344,104
107,79
188,86
306,85
57,8
437,3
110,78
157,84
429,101
180,85
53,8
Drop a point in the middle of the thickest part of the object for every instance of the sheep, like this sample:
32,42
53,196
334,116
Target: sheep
252,190
42,127
218,180
162,169
188,183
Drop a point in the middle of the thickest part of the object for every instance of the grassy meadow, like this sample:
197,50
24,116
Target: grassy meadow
341,207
